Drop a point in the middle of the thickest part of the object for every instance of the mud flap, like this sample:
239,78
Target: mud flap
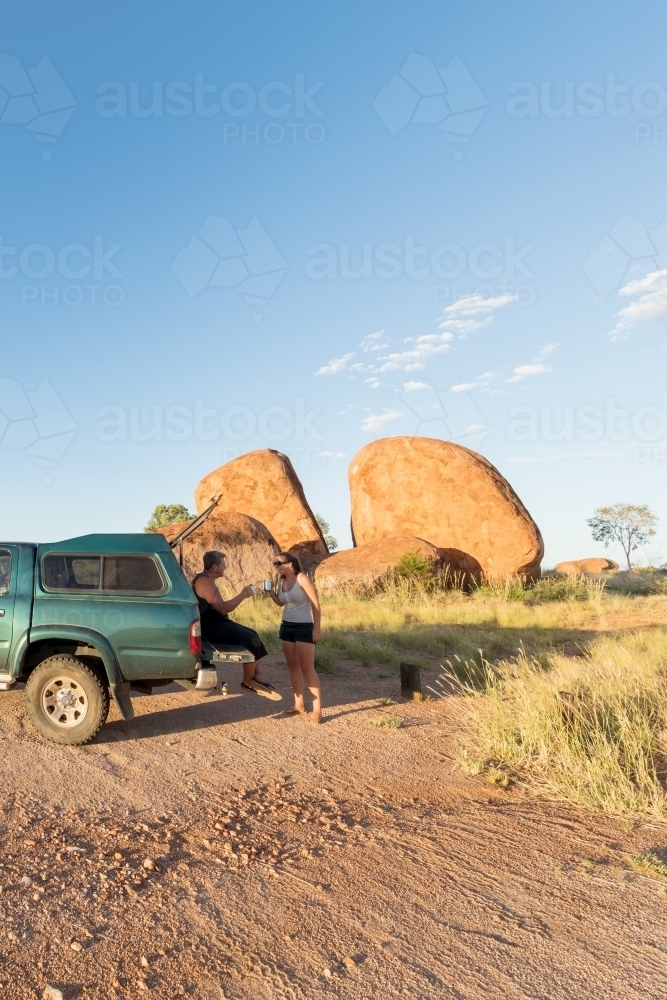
121,697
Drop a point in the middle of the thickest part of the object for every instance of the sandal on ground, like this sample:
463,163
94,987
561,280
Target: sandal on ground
293,711
263,689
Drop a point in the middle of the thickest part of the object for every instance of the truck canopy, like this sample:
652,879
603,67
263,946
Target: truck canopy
125,543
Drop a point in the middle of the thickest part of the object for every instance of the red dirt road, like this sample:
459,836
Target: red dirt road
357,862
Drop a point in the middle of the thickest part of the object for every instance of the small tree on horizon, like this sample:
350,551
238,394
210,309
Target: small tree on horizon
166,514
331,542
631,525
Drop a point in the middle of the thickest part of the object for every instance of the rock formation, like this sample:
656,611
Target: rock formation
264,485
367,564
447,495
577,566
247,543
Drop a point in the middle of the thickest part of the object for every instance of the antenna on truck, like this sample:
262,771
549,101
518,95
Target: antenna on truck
189,528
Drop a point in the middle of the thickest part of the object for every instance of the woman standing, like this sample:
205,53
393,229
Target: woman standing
299,631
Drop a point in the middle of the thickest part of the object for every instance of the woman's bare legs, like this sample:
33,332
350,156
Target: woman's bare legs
289,649
305,652
300,658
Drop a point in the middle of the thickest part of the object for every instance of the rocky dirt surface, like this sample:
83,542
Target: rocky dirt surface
213,849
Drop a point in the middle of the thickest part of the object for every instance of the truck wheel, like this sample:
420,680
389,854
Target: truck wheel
66,700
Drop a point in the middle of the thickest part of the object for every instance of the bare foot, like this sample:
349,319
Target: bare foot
314,718
293,711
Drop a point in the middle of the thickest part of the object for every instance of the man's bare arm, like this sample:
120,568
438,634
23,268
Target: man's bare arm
207,589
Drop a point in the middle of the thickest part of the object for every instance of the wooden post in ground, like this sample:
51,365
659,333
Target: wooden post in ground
411,685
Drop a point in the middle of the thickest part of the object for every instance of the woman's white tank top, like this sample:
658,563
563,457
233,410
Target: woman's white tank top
297,606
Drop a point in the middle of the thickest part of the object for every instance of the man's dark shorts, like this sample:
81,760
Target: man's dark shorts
229,633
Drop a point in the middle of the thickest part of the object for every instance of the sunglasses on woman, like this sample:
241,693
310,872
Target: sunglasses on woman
277,564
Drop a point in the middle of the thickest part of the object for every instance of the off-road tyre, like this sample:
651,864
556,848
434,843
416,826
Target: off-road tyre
84,700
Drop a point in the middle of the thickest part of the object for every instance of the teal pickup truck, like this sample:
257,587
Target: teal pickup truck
86,619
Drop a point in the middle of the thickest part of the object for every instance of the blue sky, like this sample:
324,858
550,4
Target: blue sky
227,227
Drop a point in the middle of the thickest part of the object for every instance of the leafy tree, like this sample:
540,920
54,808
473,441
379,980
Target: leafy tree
631,525
166,514
332,543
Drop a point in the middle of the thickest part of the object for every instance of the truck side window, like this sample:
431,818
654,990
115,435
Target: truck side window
132,574
71,572
5,571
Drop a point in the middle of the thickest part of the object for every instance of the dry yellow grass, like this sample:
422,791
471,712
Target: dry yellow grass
591,730
566,682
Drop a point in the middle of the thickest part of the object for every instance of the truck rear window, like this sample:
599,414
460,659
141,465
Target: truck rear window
102,574
132,574
71,572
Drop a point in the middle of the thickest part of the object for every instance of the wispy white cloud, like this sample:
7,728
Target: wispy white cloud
649,307
375,341
465,316
537,366
415,386
525,371
426,347
481,382
336,365
373,382
378,421
547,349
473,312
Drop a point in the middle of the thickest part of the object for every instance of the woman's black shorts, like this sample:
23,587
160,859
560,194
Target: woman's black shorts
296,631
229,633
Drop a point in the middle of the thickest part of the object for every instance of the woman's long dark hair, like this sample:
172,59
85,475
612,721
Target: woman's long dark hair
293,560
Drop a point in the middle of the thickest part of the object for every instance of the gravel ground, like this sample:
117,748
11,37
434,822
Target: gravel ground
213,849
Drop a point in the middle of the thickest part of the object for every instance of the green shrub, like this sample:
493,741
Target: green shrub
413,564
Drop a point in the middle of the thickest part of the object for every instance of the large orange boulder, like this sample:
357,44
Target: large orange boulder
264,485
368,564
577,566
248,545
448,495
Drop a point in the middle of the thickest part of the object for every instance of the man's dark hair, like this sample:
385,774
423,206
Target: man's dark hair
212,558
293,560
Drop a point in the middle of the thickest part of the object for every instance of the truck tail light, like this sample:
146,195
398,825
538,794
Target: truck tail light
195,638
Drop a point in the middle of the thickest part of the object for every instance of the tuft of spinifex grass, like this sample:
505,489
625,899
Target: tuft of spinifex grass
648,864
591,731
